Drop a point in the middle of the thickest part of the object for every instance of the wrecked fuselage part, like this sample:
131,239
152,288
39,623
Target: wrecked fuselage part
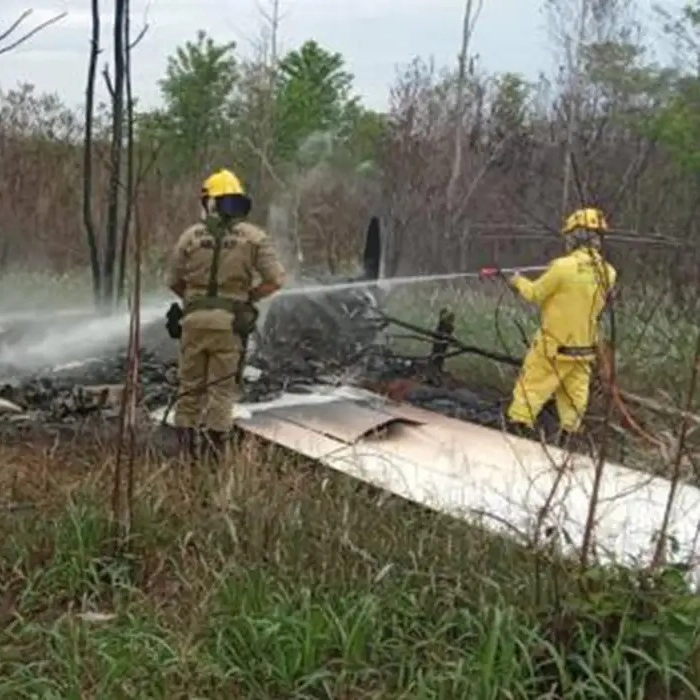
499,481
329,330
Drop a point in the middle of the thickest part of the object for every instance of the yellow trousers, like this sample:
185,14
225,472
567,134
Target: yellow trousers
567,379
208,356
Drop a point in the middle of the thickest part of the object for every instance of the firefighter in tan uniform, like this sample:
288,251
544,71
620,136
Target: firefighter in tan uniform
212,269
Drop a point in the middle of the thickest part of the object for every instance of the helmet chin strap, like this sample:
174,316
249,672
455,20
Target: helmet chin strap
207,207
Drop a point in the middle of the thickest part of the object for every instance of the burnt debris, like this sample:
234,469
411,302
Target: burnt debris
331,337
319,333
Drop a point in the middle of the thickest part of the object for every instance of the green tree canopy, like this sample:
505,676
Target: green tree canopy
313,97
199,106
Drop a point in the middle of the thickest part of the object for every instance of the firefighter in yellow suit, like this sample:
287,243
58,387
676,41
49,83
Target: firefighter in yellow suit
213,270
571,294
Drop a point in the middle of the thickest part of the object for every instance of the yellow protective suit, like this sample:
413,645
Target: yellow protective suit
571,295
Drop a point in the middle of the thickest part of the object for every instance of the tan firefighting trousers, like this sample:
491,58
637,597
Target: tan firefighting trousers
541,377
208,362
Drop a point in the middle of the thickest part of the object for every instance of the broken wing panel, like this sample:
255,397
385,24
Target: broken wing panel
294,437
343,419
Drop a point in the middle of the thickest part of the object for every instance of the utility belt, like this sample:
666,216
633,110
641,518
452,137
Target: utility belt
245,314
211,304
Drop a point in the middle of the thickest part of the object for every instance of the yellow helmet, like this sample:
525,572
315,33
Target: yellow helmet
221,183
222,193
588,219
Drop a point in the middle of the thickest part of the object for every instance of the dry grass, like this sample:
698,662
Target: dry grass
275,579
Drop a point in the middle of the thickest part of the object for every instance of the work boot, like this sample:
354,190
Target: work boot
214,447
519,429
565,439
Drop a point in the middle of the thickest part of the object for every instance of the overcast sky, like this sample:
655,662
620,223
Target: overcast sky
375,36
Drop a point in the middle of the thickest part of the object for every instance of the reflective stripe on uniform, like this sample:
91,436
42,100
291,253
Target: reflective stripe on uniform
571,351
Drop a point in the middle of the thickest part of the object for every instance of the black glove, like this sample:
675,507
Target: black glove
173,322
245,318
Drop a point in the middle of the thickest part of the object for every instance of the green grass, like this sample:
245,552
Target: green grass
280,580
285,582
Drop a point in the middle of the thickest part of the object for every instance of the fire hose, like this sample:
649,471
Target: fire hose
174,319
605,357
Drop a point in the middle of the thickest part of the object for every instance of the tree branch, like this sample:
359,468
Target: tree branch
108,82
32,32
15,24
139,37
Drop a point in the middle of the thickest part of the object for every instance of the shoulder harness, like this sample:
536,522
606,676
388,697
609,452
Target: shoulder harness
218,231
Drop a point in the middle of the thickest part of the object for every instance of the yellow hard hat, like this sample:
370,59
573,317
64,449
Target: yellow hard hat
221,183
589,219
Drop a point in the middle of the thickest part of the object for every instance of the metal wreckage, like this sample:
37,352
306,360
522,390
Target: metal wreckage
321,380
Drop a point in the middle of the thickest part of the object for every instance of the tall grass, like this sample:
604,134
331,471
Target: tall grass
272,579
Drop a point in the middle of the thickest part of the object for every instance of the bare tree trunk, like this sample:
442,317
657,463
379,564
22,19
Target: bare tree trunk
270,57
88,214
270,111
471,14
574,106
123,494
115,158
130,177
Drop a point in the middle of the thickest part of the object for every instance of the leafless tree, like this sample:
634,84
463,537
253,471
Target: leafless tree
272,17
117,89
472,10
109,273
88,154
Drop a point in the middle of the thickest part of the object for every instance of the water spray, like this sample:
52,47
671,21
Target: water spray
67,336
395,281
71,335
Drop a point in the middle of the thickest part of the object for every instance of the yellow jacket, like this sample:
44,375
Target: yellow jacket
571,295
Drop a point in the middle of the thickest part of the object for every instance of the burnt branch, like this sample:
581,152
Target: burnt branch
121,9
131,177
108,82
139,37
